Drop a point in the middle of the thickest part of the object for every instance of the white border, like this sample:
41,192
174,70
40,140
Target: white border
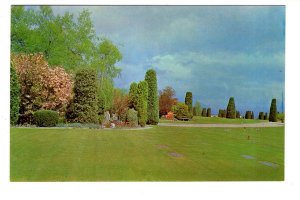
163,190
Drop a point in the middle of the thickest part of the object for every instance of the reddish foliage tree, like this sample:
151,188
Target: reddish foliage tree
42,86
166,100
120,103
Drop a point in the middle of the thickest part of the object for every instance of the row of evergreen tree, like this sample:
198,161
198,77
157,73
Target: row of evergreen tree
231,111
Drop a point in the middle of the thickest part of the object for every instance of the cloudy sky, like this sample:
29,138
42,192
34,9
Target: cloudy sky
213,51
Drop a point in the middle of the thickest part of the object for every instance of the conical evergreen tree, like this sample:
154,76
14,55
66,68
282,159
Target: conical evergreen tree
231,112
189,102
273,111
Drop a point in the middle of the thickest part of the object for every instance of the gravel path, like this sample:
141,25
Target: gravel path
256,125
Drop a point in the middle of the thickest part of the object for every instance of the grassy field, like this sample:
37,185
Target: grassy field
214,120
155,154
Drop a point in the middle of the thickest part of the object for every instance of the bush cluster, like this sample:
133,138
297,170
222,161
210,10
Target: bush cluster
132,117
181,111
45,118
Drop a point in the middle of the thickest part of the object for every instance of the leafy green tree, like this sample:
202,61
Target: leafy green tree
197,109
105,93
83,109
189,101
142,102
153,105
63,39
231,112
14,96
273,111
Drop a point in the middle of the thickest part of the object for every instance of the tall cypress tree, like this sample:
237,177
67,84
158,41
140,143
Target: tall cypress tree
153,105
231,113
133,95
14,96
142,97
273,111
189,101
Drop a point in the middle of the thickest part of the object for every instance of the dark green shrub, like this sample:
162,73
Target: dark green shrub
83,108
45,118
153,105
220,113
132,117
273,111
252,115
261,115
142,102
189,101
266,116
231,112
204,113
248,115
208,114
280,117
224,113
181,111
238,114
14,96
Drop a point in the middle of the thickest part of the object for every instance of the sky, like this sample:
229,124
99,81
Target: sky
216,52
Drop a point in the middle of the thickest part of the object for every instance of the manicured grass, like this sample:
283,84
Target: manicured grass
156,154
215,120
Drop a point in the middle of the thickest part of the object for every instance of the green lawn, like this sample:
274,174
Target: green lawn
155,154
215,120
